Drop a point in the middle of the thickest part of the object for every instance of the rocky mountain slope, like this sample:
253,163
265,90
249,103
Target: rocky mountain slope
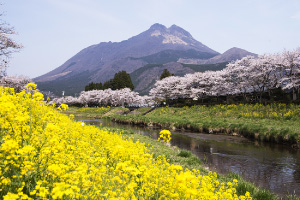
157,45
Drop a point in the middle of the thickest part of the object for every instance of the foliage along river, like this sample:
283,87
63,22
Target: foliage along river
271,166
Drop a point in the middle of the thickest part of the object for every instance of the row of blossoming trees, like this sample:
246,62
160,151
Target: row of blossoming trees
91,98
108,97
249,77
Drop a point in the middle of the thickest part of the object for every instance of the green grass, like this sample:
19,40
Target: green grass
88,112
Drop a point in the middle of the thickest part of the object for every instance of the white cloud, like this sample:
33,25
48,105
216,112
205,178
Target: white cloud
296,16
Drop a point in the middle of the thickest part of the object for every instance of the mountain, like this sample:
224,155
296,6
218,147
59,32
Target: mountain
99,63
229,55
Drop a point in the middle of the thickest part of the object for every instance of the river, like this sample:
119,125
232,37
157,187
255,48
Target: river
271,166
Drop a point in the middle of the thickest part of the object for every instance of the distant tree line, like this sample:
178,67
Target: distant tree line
121,80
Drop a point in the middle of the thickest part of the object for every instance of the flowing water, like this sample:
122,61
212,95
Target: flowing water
271,166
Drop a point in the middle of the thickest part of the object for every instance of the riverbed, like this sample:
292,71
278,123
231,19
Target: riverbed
271,166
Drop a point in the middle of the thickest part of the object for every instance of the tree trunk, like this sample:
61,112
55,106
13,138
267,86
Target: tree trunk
259,97
245,98
294,94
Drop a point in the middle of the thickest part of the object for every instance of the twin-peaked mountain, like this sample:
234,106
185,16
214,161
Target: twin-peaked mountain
145,54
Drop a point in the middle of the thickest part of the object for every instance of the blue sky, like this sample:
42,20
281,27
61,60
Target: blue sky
52,31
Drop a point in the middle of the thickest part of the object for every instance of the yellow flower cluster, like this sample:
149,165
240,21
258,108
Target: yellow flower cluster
164,110
165,135
46,155
63,107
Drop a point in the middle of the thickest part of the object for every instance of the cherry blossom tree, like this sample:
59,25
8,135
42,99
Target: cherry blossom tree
17,82
252,75
7,45
168,88
289,65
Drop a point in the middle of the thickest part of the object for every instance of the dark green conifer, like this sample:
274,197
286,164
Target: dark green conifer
165,74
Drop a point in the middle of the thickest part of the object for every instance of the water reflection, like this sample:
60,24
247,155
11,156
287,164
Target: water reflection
271,166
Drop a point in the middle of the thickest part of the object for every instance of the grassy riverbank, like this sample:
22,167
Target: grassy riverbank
278,123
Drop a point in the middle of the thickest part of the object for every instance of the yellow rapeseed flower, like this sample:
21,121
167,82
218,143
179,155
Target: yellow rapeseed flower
46,155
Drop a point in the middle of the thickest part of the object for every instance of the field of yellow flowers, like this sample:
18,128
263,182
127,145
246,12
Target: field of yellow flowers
45,154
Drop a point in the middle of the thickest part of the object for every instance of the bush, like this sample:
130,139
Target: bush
184,153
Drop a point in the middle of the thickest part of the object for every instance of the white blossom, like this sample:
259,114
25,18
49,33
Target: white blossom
106,97
17,82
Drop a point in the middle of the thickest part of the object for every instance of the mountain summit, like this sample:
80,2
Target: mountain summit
99,63
176,35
